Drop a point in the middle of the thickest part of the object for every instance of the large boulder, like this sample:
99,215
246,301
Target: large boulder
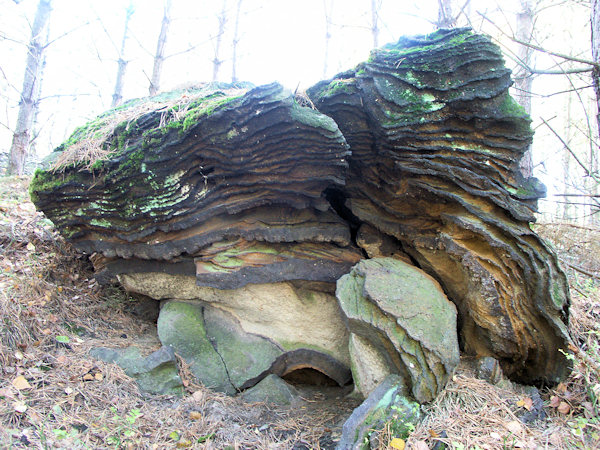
239,209
402,323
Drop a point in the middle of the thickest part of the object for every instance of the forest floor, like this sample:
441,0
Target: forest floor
54,395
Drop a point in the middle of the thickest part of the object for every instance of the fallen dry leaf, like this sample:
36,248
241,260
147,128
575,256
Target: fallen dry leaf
514,426
526,403
420,445
561,388
554,401
197,396
19,407
397,443
195,415
21,383
563,408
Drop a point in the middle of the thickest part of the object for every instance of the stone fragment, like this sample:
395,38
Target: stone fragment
271,389
386,405
157,373
407,321
181,326
488,369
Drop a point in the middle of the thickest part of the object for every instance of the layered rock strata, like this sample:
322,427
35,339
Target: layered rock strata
436,142
239,209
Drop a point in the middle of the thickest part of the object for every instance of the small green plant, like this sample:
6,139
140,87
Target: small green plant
124,428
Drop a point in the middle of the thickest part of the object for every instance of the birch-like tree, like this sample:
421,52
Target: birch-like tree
328,9
445,17
159,56
30,93
235,42
117,96
523,77
222,20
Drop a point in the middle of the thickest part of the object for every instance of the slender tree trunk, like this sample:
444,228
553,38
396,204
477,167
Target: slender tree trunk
566,160
159,56
375,22
327,6
236,40
31,88
122,62
596,81
445,17
523,78
216,61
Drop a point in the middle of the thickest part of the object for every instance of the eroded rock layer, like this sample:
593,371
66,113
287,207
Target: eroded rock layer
436,141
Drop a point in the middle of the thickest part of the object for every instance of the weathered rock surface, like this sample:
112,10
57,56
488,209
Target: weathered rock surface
436,142
402,323
243,208
386,405
271,389
232,189
229,350
156,373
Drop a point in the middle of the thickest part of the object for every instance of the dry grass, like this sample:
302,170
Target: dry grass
91,144
47,291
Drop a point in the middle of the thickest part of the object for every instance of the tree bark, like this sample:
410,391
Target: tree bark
159,56
375,22
523,78
595,21
122,62
216,61
236,40
327,6
445,17
31,89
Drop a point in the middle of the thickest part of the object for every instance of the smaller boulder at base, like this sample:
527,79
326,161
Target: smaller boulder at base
271,389
156,373
387,404
406,321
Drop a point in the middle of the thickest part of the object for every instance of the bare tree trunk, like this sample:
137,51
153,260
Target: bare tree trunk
236,40
159,56
566,160
596,81
375,22
445,17
216,61
122,67
328,7
31,88
523,78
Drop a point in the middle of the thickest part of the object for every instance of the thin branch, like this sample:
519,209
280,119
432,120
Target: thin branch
541,49
583,166
580,269
66,34
4,36
577,195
